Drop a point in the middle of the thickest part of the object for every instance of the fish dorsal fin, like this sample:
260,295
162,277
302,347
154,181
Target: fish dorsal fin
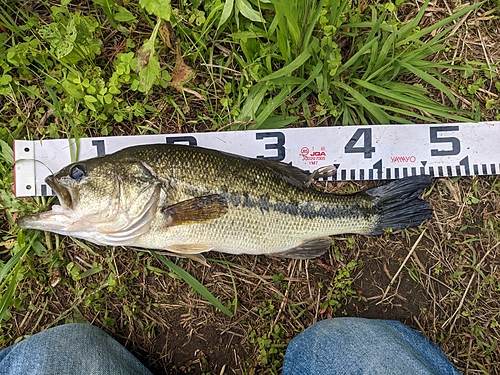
307,250
293,175
195,210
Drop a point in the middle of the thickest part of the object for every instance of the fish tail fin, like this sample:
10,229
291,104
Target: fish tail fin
398,203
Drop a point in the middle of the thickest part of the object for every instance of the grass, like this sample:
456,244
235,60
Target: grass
98,68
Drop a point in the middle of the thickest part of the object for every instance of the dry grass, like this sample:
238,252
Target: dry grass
442,279
448,288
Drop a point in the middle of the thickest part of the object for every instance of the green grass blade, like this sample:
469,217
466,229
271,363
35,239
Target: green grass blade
438,25
414,100
289,15
409,28
6,299
294,65
195,284
272,104
252,102
430,80
311,24
14,260
356,56
276,122
365,103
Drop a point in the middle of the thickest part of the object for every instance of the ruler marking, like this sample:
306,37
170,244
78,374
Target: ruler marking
412,152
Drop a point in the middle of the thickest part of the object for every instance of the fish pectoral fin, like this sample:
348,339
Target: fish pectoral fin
196,210
307,250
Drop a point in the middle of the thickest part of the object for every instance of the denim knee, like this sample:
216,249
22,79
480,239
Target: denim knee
69,349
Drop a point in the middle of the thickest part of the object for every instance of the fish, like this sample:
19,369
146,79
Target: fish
188,200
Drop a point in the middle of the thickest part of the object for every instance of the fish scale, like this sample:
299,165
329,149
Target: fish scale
189,200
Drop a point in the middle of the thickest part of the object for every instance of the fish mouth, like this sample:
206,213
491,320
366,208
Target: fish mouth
61,191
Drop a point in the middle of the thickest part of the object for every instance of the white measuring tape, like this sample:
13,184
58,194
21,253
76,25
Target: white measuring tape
375,152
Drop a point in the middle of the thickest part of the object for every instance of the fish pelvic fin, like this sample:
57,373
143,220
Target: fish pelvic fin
307,250
195,257
398,204
191,251
195,210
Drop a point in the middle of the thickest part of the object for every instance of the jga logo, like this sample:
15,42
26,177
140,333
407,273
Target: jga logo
312,155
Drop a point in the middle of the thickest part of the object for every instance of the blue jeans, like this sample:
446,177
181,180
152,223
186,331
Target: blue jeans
335,346
356,346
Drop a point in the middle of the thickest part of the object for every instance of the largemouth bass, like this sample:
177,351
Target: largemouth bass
188,200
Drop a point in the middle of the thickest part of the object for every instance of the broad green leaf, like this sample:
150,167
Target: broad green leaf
226,12
160,8
195,284
288,13
7,154
244,7
123,15
73,90
149,66
248,35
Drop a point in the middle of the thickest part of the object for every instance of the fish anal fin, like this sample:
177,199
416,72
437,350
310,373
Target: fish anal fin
308,249
196,210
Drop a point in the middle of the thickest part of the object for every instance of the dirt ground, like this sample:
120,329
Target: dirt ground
442,279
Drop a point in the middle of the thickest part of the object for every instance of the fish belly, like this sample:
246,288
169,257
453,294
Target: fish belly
249,231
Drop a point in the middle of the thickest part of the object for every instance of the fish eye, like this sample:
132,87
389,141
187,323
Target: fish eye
78,171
